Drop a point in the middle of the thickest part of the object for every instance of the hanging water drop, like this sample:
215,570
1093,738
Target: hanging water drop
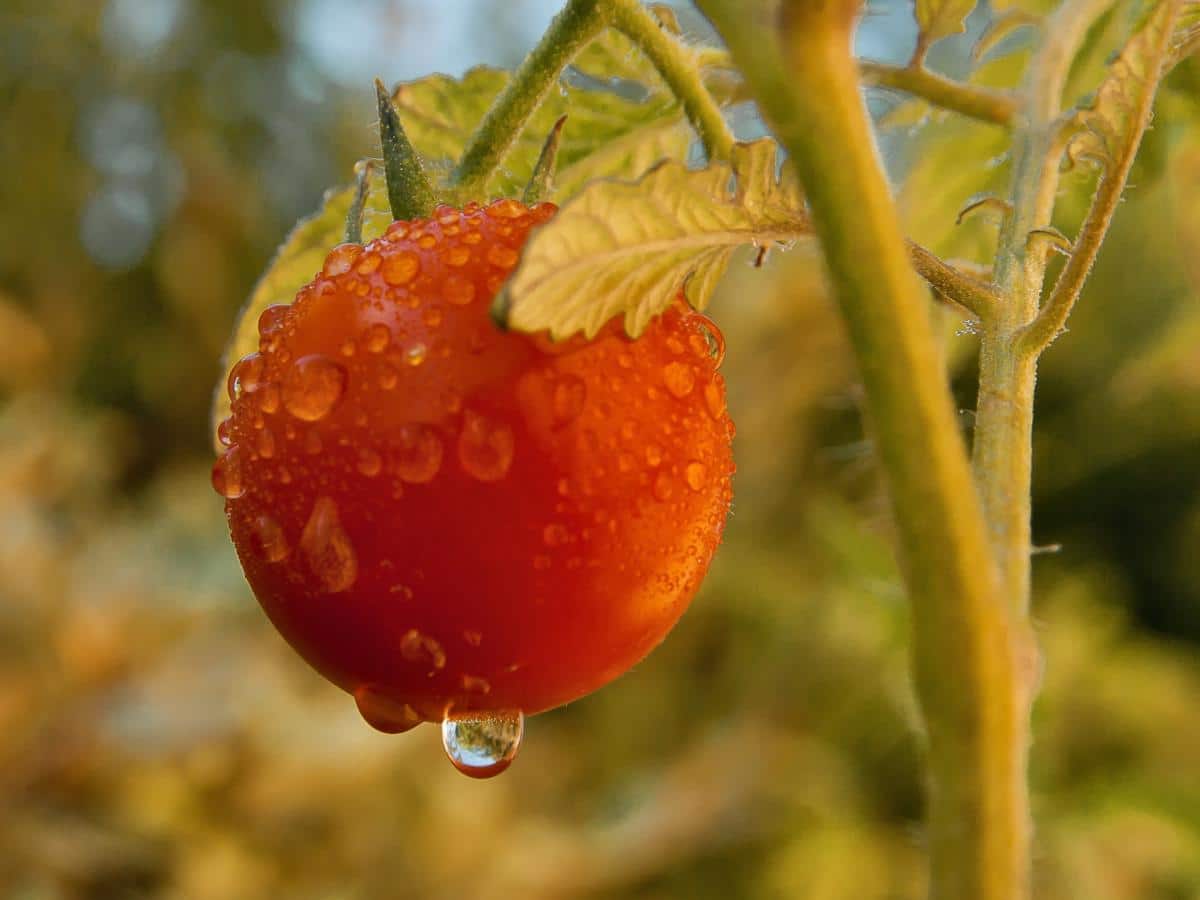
483,744
313,386
384,713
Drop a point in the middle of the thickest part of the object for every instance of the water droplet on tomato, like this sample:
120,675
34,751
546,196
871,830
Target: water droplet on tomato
383,713
271,541
369,462
245,376
401,268
271,320
474,684
313,386
418,454
567,400
420,648
227,474
485,448
679,378
663,487
458,291
377,338
483,744
555,534
225,433
266,443
713,400
340,259
505,209
502,257
654,455
695,475
415,354
456,256
268,398
368,264
713,341
327,548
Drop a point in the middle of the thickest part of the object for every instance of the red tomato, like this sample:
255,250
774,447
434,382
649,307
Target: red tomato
442,517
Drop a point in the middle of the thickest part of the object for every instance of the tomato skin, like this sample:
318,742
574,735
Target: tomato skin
440,516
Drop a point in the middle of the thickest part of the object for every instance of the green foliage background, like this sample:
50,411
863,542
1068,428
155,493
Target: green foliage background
157,738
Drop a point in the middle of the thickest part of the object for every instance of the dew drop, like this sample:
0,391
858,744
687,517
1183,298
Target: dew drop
485,448
401,268
266,443
654,455
340,259
456,256
505,209
427,241
679,378
420,648
388,376
418,454
674,345
313,386
271,320
567,400
368,264
268,399
245,376
377,338
502,257
369,462
383,713
695,474
483,744
458,291
555,534
663,488
227,474
225,433
713,400
472,237
327,548
415,354
271,541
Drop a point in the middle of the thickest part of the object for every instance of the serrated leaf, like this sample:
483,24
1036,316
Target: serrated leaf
620,119
296,262
937,19
628,248
1111,117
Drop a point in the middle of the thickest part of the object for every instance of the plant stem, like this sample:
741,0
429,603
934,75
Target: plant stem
806,82
1003,450
409,192
952,284
679,69
572,28
986,104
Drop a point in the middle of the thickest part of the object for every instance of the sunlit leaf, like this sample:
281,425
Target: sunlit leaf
941,18
623,248
297,261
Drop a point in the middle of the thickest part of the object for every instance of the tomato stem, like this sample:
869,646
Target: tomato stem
354,216
409,192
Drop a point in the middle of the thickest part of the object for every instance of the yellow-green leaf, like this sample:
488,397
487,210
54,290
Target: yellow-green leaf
937,19
628,248
297,261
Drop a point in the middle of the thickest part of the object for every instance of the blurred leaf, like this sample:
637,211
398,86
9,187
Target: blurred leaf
630,248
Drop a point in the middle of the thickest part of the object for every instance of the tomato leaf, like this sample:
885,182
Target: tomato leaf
628,248
621,119
937,19
1110,125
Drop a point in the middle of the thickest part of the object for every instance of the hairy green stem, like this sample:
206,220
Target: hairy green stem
572,28
1003,450
679,68
806,82
986,104
409,192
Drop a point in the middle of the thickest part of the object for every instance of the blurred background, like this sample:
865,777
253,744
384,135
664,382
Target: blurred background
159,740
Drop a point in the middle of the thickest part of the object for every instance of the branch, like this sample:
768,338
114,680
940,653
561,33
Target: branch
1048,324
806,83
954,285
986,104
578,23
679,68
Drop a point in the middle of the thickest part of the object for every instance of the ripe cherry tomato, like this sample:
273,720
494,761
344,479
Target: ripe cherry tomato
443,517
